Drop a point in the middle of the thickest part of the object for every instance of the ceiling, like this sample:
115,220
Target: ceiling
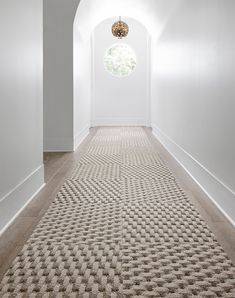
153,14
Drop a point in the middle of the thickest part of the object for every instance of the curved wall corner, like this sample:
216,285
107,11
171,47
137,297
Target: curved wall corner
81,86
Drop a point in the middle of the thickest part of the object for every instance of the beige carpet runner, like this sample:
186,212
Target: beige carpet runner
121,227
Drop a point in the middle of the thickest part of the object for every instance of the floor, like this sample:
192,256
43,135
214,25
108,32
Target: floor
120,222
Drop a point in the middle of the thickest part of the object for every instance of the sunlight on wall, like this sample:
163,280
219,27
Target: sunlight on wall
174,59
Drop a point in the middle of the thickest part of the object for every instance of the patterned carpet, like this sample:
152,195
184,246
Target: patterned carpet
121,227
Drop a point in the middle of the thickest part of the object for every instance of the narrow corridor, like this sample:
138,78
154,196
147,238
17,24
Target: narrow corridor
121,226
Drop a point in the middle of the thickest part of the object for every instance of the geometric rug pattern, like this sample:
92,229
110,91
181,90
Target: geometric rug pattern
121,226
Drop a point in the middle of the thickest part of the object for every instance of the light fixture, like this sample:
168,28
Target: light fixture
120,29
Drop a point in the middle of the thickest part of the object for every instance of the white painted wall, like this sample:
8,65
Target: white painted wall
193,94
58,18
62,132
21,125
82,87
152,13
120,101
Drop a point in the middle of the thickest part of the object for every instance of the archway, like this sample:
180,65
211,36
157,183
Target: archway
65,23
121,100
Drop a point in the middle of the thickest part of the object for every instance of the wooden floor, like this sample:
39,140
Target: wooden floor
57,165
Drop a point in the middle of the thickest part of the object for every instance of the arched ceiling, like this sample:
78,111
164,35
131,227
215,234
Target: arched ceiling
153,14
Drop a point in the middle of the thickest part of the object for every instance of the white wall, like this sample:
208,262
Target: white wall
21,162
152,13
58,74
62,131
193,94
120,101
82,87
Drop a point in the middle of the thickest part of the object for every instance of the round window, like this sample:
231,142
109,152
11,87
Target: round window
120,60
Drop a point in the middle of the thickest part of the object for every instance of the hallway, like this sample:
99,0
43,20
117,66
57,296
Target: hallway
122,226
117,148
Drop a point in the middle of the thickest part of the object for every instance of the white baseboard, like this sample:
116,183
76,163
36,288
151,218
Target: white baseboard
80,137
119,122
221,195
58,145
18,198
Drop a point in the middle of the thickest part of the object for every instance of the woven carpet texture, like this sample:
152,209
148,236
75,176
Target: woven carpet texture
121,226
